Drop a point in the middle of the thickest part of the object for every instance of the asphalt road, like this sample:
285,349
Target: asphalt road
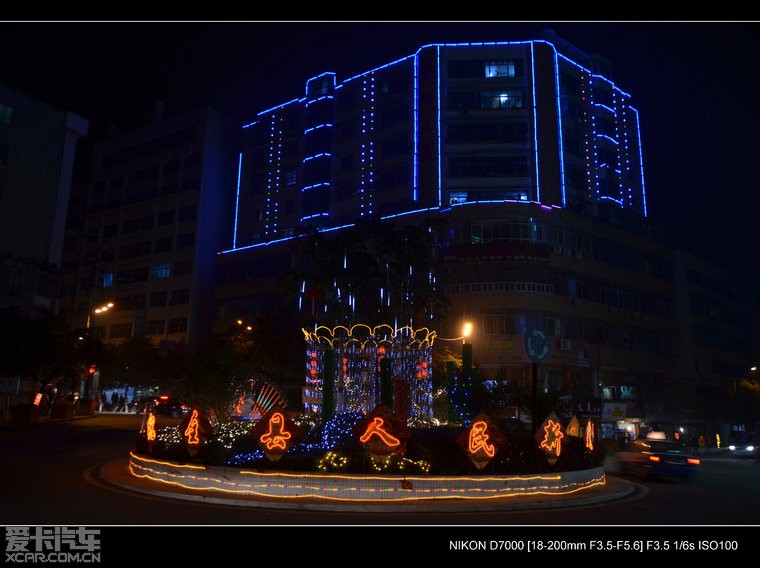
49,477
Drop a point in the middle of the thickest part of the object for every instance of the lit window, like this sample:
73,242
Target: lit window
290,178
161,271
501,99
500,69
107,279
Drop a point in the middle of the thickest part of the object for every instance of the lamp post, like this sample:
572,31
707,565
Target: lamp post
466,350
95,376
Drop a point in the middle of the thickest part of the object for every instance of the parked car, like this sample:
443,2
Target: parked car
139,405
170,406
647,458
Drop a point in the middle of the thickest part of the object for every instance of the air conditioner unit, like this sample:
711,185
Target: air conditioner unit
564,344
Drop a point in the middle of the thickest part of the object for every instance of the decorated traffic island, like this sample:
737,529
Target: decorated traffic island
366,434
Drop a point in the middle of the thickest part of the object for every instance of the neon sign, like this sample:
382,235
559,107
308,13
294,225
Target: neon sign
275,433
481,440
376,429
277,436
552,440
151,427
478,439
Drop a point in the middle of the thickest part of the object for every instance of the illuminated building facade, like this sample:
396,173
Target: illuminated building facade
532,155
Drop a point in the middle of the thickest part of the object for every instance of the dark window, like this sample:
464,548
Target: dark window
185,240
183,267
163,244
177,325
166,218
139,224
158,299
155,327
180,297
134,250
120,331
188,213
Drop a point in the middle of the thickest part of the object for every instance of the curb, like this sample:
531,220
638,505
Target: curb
117,473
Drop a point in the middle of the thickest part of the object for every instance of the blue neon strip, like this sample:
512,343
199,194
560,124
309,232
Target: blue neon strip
322,98
274,108
600,105
315,156
322,184
315,216
415,126
608,198
535,118
641,161
326,125
237,200
439,122
610,138
559,127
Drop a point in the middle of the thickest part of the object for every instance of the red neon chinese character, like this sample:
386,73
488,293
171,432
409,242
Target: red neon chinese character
191,432
552,436
277,435
151,427
376,429
478,439
590,436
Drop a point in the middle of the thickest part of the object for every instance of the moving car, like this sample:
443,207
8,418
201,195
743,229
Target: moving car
647,458
743,446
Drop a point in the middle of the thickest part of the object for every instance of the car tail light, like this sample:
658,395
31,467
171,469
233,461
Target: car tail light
693,461
654,458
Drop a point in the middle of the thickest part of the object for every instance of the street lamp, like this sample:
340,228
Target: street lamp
94,377
466,331
99,310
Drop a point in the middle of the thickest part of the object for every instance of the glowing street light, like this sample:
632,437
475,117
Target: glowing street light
466,331
99,310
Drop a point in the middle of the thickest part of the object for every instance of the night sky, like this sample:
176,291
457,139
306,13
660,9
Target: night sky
694,84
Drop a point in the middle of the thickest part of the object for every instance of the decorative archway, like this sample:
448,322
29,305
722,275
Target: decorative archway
358,351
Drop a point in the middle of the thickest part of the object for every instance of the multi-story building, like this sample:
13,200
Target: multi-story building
144,230
532,156
38,145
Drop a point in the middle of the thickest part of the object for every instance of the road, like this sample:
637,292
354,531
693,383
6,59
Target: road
47,479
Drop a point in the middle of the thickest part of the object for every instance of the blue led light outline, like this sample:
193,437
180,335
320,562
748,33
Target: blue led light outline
532,43
237,200
535,118
439,126
415,126
641,160
559,128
